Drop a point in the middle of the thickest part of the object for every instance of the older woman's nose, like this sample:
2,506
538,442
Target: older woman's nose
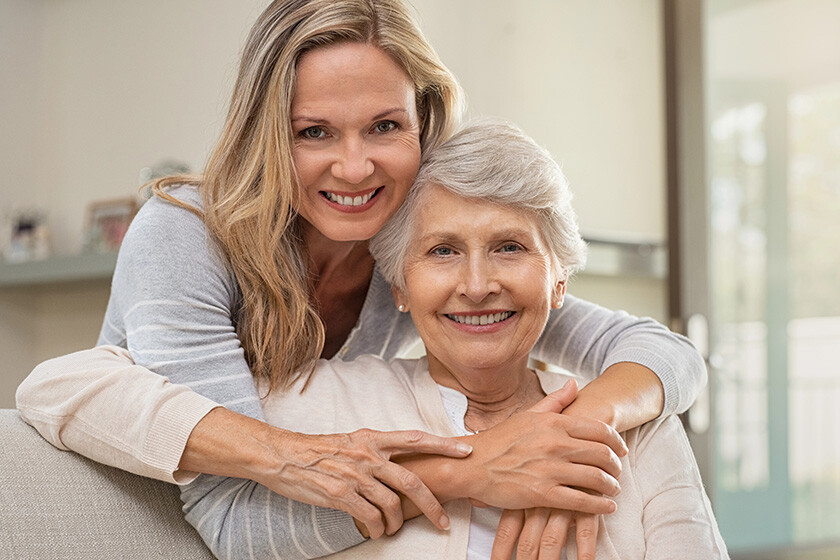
352,163
479,279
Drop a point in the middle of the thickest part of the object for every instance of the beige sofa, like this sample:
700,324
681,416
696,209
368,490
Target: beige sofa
57,505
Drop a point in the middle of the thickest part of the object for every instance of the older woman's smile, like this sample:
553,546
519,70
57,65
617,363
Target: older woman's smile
480,318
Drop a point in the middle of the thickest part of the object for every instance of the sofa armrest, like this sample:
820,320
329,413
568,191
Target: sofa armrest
56,504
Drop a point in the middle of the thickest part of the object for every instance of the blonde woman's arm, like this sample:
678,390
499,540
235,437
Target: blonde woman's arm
71,400
634,369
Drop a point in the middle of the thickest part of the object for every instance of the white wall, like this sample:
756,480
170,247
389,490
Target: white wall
94,90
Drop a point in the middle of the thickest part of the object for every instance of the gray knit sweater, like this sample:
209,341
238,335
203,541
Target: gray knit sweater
173,302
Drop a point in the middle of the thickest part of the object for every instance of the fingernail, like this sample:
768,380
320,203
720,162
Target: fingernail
612,506
444,522
464,448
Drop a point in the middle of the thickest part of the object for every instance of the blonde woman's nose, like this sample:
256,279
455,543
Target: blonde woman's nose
352,163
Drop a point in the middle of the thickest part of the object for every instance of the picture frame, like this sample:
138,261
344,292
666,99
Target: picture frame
107,223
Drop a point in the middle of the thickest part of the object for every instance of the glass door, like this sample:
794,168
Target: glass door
772,143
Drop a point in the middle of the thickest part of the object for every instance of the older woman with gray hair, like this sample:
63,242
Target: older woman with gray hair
478,255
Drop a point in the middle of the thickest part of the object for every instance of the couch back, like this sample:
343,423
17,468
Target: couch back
58,505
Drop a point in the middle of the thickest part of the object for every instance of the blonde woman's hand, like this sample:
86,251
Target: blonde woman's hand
354,473
541,534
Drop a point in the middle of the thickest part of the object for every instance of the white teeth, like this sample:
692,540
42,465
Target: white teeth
349,200
480,319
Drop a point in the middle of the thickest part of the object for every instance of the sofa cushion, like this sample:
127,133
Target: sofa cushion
56,504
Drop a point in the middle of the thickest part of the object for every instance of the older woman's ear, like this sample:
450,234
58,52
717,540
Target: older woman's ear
400,299
559,294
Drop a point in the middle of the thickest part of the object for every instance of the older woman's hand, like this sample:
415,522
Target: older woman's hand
541,533
540,458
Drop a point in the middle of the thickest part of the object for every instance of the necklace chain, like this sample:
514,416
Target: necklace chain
511,413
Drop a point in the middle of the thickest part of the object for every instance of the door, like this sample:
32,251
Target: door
768,228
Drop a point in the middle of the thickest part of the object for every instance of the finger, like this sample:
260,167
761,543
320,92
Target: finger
528,547
416,441
587,477
411,486
563,497
558,400
555,534
510,525
595,431
586,536
387,502
595,455
366,514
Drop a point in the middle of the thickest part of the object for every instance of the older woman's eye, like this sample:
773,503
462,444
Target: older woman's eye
312,133
510,248
385,126
442,251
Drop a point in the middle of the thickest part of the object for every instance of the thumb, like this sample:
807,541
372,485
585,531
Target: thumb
558,400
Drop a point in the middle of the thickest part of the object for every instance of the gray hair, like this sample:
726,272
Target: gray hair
492,161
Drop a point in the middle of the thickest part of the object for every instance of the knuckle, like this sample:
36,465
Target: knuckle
391,502
550,542
414,436
506,534
337,488
527,546
585,533
410,482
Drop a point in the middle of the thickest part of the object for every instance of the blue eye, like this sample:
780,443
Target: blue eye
442,251
385,126
312,133
510,248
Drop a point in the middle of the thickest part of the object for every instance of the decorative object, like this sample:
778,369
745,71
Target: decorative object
27,237
107,222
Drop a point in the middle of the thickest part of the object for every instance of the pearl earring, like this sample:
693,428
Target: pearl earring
401,308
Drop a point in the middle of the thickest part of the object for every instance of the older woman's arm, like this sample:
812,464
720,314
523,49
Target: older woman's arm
678,520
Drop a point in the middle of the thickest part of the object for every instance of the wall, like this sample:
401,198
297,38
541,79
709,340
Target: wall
100,89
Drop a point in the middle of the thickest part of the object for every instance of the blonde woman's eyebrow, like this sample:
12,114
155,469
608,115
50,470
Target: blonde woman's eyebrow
378,116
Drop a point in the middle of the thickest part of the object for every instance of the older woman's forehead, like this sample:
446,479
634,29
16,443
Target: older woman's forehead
443,213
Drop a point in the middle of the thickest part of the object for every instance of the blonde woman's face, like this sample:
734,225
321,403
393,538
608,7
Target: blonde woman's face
356,139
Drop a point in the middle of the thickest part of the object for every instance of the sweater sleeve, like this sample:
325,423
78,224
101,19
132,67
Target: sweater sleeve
587,339
677,518
78,402
172,306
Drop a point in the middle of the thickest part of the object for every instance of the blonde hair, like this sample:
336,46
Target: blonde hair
249,187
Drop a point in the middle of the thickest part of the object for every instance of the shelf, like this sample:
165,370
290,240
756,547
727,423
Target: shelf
58,270
610,257
606,258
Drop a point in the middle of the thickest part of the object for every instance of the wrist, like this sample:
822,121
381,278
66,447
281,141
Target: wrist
594,408
448,478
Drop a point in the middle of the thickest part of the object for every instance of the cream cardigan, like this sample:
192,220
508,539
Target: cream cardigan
663,512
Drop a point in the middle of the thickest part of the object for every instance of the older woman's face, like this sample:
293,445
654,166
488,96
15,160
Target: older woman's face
479,282
357,139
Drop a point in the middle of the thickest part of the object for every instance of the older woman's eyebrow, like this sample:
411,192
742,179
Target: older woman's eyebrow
445,236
